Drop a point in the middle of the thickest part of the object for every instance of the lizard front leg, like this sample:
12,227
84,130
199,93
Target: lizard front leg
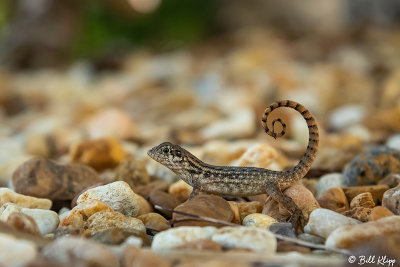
297,217
195,192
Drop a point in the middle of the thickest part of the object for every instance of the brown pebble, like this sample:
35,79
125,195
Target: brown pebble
391,180
391,200
246,208
203,205
333,199
144,190
133,172
358,213
286,246
23,223
136,257
154,221
375,190
379,212
202,244
164,200
40,177
363,200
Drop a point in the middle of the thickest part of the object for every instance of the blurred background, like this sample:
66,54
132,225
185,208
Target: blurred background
195,72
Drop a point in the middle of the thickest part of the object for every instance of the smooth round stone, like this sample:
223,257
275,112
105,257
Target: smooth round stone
9,196
203,244
253,238
323,222
69,250
117,195
394,142
391,200
246,208
104,220
328,181
180,236
154,221
46,179
133,172
133,256
203,205
391,180
23,223
345,116
165,200
363,200
258,220
99,154
379,212
352,236
144,206
334,199
283,228
16,252
262,156
181,190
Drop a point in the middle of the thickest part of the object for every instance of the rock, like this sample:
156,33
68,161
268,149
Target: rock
164,200
391,180
154,221
379,212
246,208
180,236
394,142
363,200
391,200
46,220
211,206
41,145
81,212
23,223
258,220
144,206
70,250
312,238
117,236
300,195
9,196
75,199
262,156
104,220
358,213
16,252
202,244
99,154
135,257
133,172
144,190
328,181
119,124
253,238
323,222
310,184
181,190
345,116
235,209
333,199
376,191
44,178
287,246
117,195
352,236
283,228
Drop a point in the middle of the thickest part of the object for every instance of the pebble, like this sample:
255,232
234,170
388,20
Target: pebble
379,212
16,252
135,257
351,236
154,221
181,190
211,206
99,154
391,200
117,195
144,206
145,190
46,220
70,250
376,191
164,200
246,208
9,196
391,180
23,223
180,236
43,178
117,236
41,145
345,116
287,246
334,199
394,142
312,238
104,220
77,217
261,156
133,172
283,228
323,222
202,244
358,213
119,124
328,181
258,220
253,238
363,200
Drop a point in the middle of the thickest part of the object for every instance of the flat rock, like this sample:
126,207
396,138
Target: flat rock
43,178
334,199
180,236
117,195
391,200
253,238
9,196
154,221
351,236
69,250
379,212
258,220
16,252
99,154
323,222
203,205
376,191
164,200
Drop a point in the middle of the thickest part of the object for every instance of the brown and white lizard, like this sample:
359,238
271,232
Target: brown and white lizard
244,181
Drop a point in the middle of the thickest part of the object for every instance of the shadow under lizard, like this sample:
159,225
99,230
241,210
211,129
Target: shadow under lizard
244,181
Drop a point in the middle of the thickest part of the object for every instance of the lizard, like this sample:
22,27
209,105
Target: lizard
244,181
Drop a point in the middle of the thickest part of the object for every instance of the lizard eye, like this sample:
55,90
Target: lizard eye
165,150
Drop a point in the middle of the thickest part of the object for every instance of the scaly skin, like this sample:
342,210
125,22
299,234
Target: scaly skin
244,181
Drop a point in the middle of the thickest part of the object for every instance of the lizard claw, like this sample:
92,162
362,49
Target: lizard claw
297,220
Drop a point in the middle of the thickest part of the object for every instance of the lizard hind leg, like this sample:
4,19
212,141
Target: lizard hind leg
297,218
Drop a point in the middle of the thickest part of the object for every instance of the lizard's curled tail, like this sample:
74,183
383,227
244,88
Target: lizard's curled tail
300,170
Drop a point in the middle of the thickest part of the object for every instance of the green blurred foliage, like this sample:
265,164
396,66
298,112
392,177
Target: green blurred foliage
173,23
